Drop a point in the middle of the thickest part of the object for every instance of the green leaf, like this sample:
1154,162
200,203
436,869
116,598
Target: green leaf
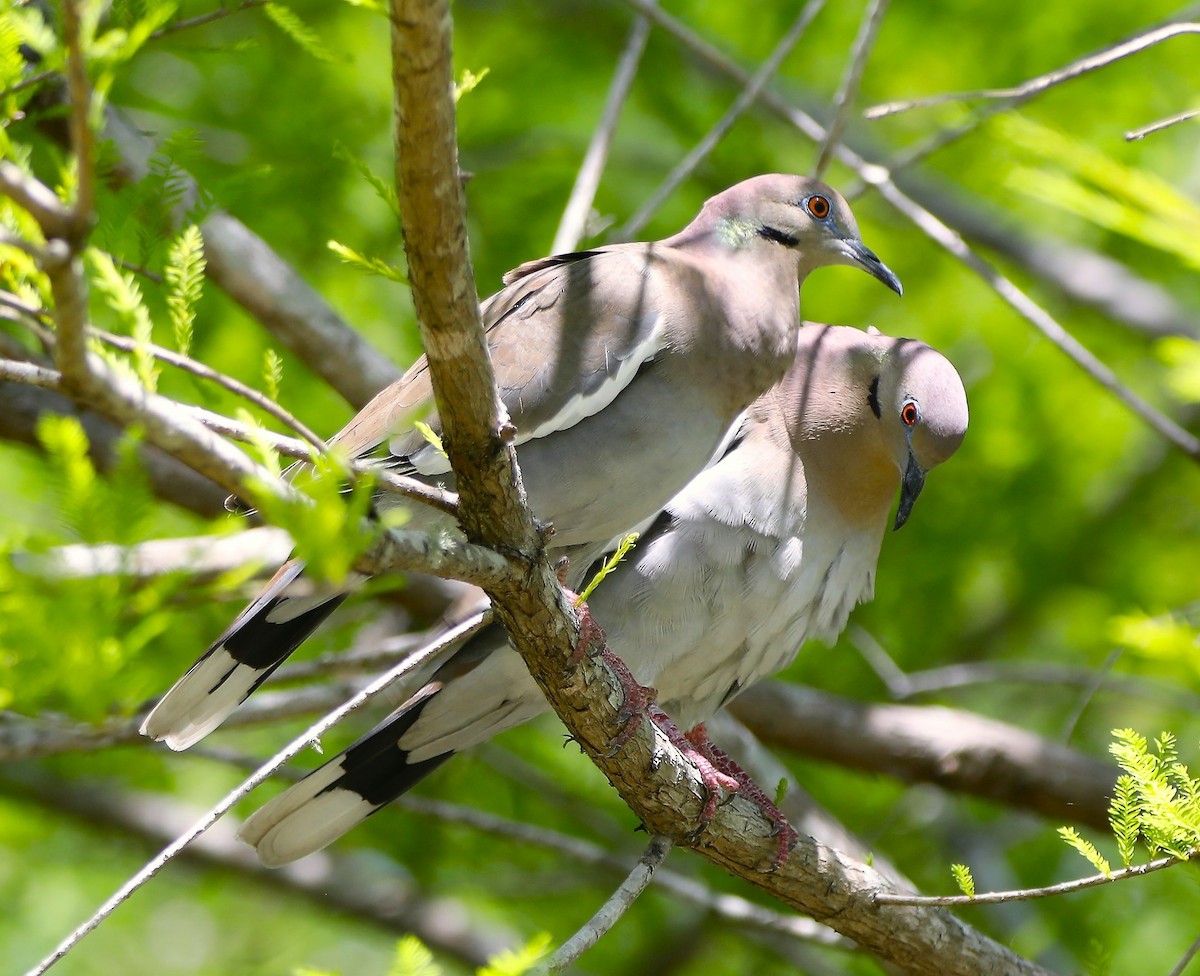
1087,849
430,436
368,265
385,190
1123,816
469,82
517,962
413,958
305,37
610,564
184,276
962,877
272,373
124,296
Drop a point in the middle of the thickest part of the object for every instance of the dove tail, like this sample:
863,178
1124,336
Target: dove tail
256,643
345,791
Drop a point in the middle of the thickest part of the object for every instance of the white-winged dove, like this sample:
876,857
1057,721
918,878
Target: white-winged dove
622,369
772,545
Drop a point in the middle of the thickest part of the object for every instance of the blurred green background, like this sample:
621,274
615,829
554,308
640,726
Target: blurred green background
1065,531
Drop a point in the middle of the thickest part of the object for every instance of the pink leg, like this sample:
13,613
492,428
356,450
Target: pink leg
749,789
639,702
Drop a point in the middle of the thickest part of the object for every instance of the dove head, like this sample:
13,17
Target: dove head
778,214
866,412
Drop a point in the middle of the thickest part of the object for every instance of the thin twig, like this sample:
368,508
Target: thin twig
611,911
1028,894
753,86
1040,319
293,748
850,81
30,373
219,14
731,907
237,387
1135,134
902,685
1042,82
878,176
1188,956
573,224
28,82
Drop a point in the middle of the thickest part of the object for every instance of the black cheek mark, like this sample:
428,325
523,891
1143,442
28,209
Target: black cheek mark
778,236
873,398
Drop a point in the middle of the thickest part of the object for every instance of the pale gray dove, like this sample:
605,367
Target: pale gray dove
771,546
622,369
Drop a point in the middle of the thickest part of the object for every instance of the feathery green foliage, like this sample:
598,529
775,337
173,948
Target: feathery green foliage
1087,849
962,877
124,296
611,563
413,958
272,373
184,277
307,39
1157,793
328,520
368,265
468,82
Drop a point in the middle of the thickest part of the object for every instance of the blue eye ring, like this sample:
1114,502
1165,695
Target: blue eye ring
818,207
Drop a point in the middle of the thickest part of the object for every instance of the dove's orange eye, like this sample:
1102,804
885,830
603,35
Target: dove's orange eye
910,413
818,206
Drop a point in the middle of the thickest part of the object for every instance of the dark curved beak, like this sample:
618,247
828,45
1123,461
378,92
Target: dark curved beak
910,488
865,258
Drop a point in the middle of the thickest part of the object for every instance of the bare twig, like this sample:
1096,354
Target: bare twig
902,685
844,98
34,375
730,907
388,899
573,224
22,407
1179,967
203,555
293,748
611,911
1042,82
753,86
1028,894
237,387
939,232
1145,130
219,14
28,82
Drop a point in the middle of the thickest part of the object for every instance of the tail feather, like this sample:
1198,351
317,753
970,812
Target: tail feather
342,793
261,638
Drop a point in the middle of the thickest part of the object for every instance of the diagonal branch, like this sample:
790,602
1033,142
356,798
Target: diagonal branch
879,177
662,788
1041,83
573,224
752,88
844,98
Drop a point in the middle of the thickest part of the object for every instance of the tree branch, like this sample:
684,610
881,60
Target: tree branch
662,788
957,750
